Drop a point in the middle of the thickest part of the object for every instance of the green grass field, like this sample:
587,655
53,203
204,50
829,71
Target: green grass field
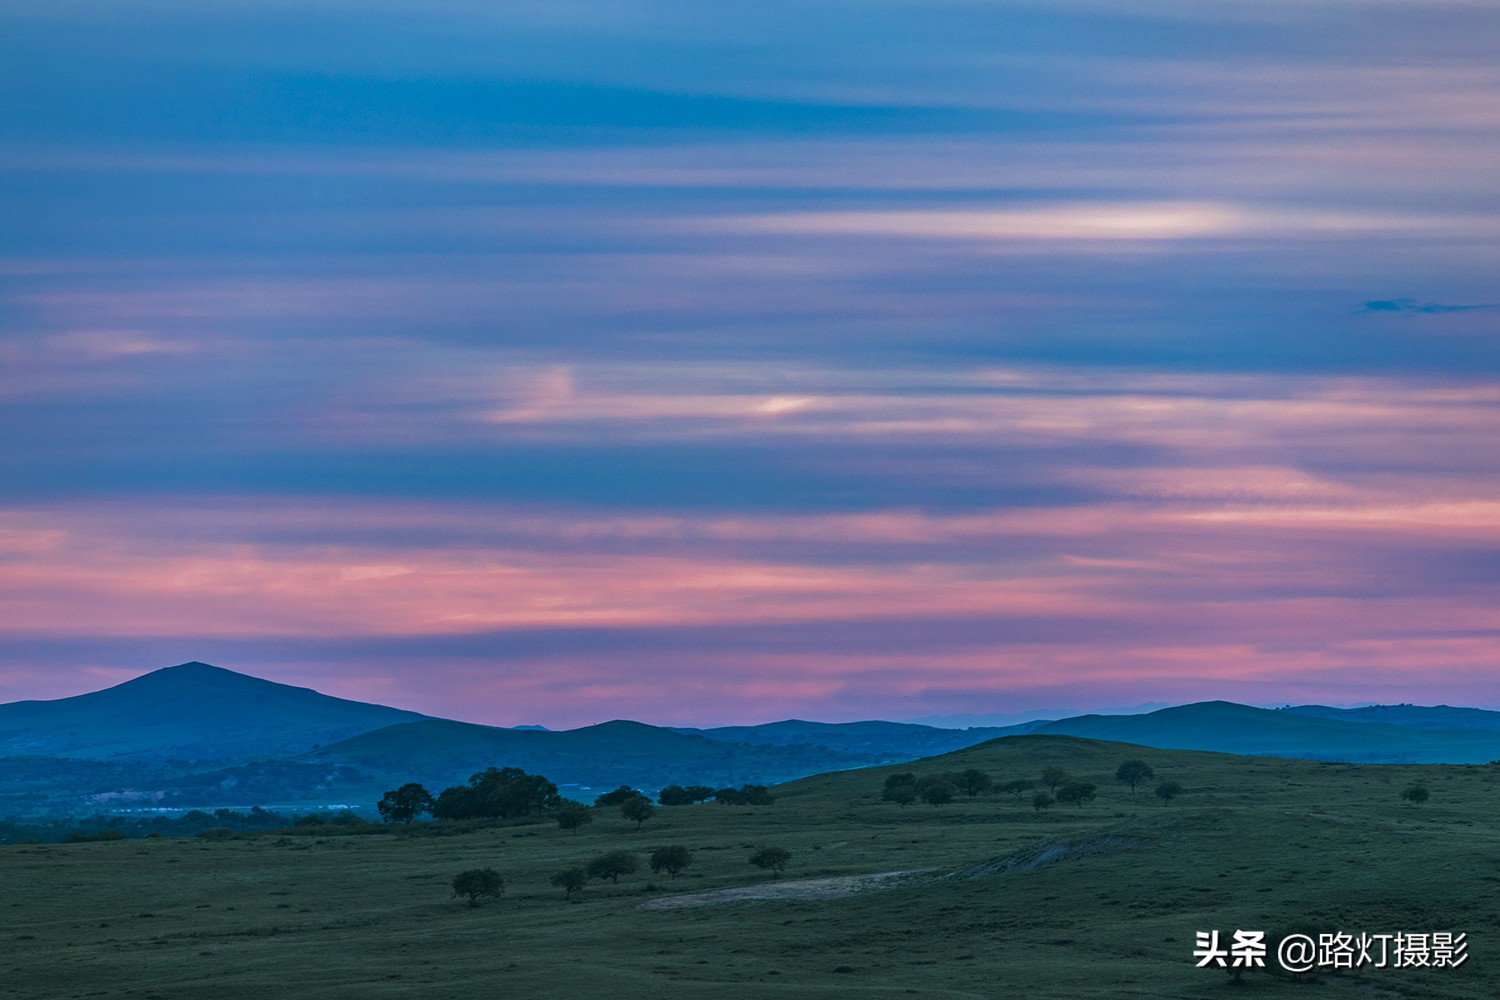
1253,843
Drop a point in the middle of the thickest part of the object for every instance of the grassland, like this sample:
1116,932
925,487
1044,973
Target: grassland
1253,843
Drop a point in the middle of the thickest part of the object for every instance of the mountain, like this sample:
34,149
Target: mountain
1414,716
878,742
188,712
1240,729
439,753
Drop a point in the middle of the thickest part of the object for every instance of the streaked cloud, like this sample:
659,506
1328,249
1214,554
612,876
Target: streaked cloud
522,362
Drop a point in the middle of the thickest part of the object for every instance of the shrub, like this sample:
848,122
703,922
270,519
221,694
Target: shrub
1167,791
1416,794
772,858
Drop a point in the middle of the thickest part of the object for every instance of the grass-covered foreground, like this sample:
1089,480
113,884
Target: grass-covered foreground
1251,843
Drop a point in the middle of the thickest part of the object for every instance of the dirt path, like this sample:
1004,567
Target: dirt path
799,889
839,887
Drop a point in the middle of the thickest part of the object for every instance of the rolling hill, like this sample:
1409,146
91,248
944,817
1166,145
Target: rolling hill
1230,728
439,753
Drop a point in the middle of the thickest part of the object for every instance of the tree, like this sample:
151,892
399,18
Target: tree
676,795
700,793
613,865
569,880
1167,791
773,858
671,860
1416,794
903,795
897,780
937,793
478,882
616,797
1041,800
972,782
573,815
404,804
1018,787
637,810
1077,792
901,788
497,793
745,795
1052,776
1133,772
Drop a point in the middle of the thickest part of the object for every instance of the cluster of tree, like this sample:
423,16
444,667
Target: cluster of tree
673,859
193,823
617,797
745,795
677,795
494,793
935,789
1054,785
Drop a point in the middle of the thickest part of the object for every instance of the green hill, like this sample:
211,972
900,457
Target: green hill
1229,728
985,897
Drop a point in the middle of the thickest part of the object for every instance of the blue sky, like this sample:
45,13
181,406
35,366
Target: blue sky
559,362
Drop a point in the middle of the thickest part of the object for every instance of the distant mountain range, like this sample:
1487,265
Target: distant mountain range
188,712
196,735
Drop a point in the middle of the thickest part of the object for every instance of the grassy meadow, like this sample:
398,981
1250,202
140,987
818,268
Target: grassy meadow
1253,843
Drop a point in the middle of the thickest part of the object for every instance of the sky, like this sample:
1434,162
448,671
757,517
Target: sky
550,363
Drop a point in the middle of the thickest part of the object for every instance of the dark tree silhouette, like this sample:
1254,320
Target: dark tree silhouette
478,882
1018,787
1040,801
1133,772
1076,792
772,858
1167,791
572,815
404,804
1052,776
671,860
937,793
569,880
497,793
972,782
612,865
616,797
676,795
637,810
903,795
745,795
1416,794
900,788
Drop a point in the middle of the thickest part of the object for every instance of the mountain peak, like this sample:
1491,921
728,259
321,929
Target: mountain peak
191,710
